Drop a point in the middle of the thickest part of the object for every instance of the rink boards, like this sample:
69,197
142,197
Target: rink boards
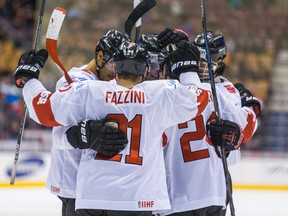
255,171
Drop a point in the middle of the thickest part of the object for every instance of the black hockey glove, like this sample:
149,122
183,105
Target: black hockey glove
225,133
164,61
101,135
29,66
172,36
248,100
184,59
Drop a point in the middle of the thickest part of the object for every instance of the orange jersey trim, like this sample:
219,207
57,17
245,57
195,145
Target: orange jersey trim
43,110
249,129
203,99
164,139
86,71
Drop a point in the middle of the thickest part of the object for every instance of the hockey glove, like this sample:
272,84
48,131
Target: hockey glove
172,36
248,100
164,61
29,66
101,135
184,59
225,133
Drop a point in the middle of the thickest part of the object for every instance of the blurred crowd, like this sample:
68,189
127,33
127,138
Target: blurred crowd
16,34
254,31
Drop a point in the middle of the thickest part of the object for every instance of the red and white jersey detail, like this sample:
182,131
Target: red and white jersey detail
43,110
87,71
65,160
135,179
249,126
195,175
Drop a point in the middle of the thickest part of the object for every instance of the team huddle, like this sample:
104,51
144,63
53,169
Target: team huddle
136,133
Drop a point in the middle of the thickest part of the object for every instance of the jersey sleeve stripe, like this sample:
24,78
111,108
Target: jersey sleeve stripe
164,139
202,100
43,110
250,127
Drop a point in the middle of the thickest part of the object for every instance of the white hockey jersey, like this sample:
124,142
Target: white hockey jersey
227,89
64,164
195,175
135,179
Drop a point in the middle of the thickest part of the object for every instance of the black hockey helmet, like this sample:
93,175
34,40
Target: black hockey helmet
216,43
217,49
150,43
131,59
109,44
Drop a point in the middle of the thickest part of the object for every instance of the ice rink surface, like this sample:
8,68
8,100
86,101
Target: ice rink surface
39,202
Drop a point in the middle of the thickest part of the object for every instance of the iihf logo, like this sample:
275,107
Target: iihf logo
146,204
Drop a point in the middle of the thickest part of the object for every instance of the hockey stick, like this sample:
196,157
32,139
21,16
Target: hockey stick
139,21
213,88
24,114
137,13
53,31
216,108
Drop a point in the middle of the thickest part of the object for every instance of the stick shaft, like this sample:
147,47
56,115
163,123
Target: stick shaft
24,113
19,140
212,82
39,26
216,108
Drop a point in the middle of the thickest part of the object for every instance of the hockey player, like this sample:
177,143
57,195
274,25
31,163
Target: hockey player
217,48
203,193
134,180
242,97
64,162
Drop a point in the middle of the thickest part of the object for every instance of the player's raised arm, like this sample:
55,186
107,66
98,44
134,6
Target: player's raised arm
36,96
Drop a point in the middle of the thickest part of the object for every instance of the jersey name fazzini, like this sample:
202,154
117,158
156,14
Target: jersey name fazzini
125,97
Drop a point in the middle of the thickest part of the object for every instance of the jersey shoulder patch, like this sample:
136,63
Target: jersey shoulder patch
172,84
230,88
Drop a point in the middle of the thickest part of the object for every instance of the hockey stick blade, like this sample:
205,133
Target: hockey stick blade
52,35
139,21
138,12
135,4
